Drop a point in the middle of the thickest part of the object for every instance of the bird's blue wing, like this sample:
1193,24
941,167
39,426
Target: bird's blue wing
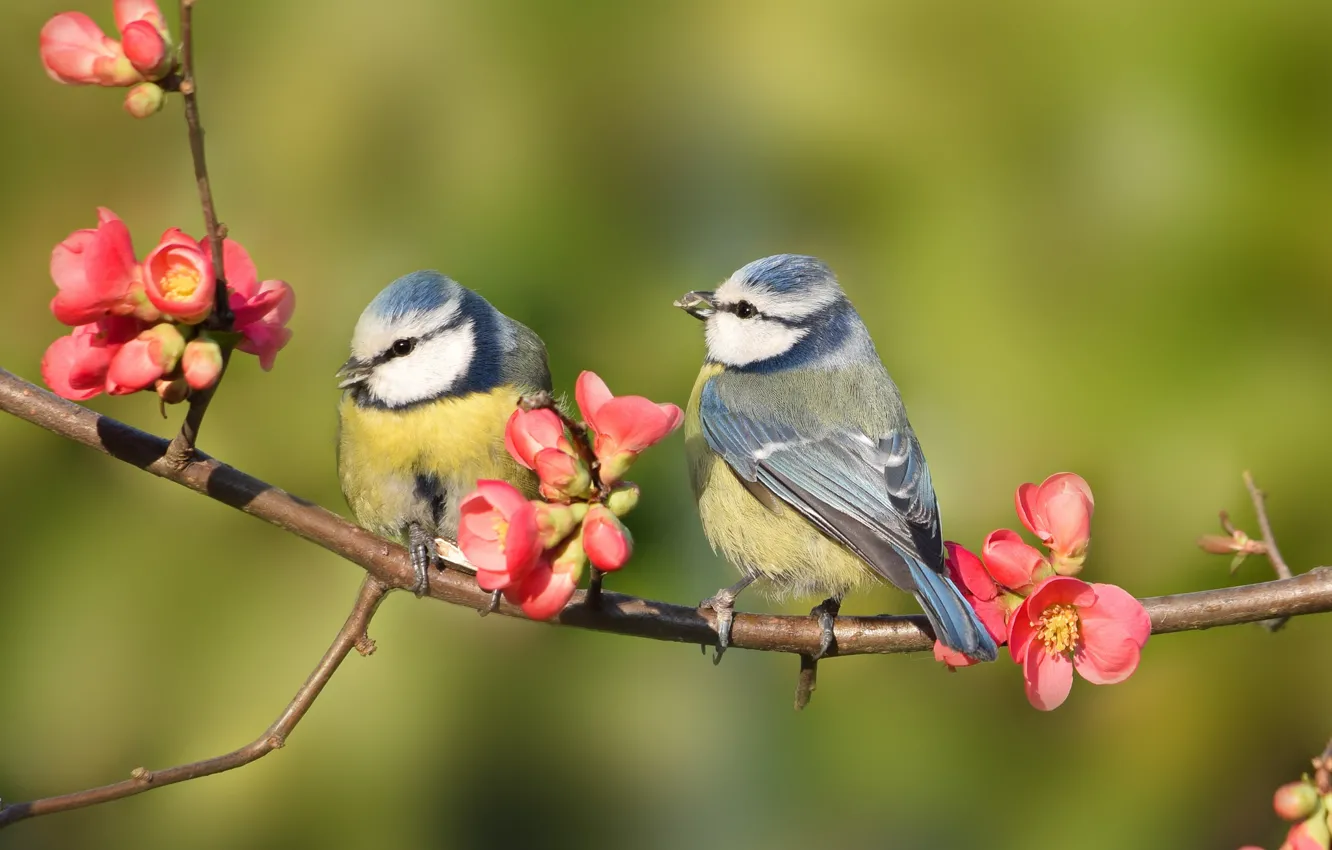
872,494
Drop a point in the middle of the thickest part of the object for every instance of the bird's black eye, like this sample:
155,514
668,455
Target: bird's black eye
745,310
403,347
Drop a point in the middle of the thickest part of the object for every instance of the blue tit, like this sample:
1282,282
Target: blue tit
434,375
806,470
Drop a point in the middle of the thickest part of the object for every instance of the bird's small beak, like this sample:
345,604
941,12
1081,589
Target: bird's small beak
698,303
352,373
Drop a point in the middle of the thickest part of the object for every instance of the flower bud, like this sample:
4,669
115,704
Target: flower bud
141,361
1295,801
202,362
144,99
146,50
172,392
563,477
554,521
623,498
570,558
607,541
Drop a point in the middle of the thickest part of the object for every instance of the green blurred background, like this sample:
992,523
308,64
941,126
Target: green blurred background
1085,236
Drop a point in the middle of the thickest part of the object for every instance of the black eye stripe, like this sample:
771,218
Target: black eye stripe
390,353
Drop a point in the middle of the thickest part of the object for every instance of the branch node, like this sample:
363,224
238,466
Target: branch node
365,644
141,775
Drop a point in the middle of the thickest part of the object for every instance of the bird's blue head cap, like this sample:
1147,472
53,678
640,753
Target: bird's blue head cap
780,312
423,336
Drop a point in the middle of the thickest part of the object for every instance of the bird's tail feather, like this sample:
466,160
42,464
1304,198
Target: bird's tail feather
955,622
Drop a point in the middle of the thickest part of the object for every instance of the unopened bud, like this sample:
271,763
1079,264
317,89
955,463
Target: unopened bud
554,521
202,362
607,541
147,50
1295,800
144,99
622,498
172,392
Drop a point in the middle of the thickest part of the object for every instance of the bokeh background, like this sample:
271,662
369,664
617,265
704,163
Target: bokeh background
1085,236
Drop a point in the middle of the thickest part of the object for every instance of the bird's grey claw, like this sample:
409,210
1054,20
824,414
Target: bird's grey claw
420,546
495,597
724,608
826,612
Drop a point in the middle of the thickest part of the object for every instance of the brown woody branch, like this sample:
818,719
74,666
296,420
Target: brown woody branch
351,635
1309,593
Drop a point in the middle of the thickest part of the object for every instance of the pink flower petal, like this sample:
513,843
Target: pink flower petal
1117,605
1047,677
543,593
591,393
1011,561
128,11
1021,631
966,570
57,363
1104,661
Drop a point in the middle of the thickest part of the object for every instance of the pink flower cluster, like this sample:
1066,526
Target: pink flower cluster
136,323
75,51
535,551
1053,623
1311,809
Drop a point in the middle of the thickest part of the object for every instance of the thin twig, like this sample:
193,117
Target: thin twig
1269,543
1309,593
221,318
351,635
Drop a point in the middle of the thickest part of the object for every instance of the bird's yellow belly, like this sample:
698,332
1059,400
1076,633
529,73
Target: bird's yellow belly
775,543
382,454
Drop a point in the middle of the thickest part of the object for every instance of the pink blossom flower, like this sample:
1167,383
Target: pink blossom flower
605,539
75,51
1059,512
1011,562
624,425
549,586
497,531
530,431
141,361
201,364
96,273
75,366
180,279
146,49
981,593
1068,624
261,308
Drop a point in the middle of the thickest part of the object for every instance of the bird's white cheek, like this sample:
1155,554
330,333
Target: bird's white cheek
739,342
435,367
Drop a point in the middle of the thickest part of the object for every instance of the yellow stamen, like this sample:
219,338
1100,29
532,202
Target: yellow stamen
180,282
1058,628
501,531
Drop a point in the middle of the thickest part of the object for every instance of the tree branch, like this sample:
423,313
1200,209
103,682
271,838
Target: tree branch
1309,593
351,635
221,318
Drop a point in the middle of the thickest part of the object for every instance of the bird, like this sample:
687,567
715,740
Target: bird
434,374
804,465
